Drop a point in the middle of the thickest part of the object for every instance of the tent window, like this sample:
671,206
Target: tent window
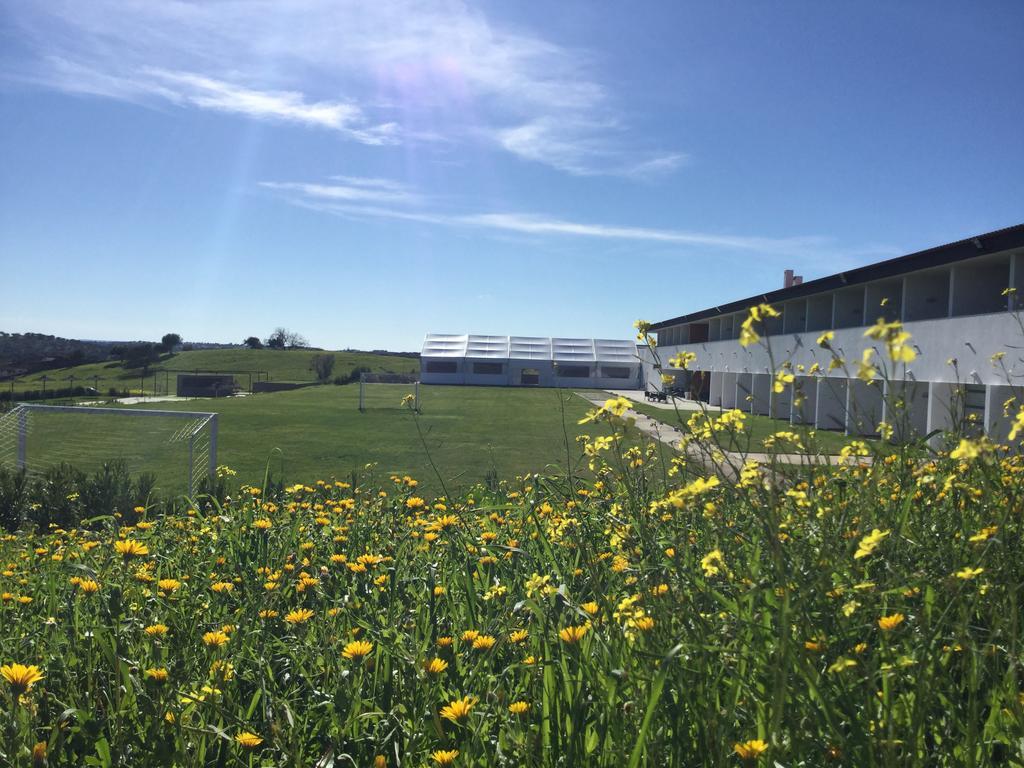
442,366
530,376
490,369
573,371
615,372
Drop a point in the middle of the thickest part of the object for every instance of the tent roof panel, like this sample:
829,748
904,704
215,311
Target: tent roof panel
539,348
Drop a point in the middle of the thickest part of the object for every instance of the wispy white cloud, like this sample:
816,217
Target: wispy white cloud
381,72
808,248
354,190
583,148
287,106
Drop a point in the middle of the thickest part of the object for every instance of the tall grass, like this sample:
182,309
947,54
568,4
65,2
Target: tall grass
861,615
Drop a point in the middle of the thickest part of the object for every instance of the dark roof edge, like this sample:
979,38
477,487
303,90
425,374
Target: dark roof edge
938,256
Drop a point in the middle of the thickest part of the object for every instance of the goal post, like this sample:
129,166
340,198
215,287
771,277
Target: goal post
175,445
401,385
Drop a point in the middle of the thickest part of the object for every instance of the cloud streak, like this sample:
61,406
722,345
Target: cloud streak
340,200
390,71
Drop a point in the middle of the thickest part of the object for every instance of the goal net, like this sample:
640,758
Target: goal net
178,447
385,391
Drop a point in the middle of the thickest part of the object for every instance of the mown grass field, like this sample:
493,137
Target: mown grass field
291,365
860,616
318,432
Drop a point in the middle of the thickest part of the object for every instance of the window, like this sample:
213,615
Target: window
490,369
530,376
615,372
573,371
442,366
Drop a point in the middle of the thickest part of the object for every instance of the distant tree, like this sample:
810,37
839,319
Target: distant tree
322,366
253,342
169,342
282,338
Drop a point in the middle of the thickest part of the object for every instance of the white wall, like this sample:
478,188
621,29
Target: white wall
970,340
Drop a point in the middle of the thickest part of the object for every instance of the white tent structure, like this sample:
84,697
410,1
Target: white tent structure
514,361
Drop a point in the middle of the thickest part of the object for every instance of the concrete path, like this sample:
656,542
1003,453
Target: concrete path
732,460
637,396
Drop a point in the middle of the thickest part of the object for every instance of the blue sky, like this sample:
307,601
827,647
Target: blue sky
363,173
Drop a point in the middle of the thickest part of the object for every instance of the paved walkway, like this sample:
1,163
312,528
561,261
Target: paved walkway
731,461
637,396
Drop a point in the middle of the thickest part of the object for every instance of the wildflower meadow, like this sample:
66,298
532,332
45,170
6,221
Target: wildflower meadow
656,608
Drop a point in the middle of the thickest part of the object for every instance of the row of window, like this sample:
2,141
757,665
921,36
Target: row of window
561,371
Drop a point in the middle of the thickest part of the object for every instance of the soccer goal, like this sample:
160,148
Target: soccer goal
387,390
179,447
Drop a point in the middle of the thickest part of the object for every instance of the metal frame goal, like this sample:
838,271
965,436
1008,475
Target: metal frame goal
175,445
366,402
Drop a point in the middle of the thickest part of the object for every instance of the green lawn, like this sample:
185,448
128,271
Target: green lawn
318,432
277,365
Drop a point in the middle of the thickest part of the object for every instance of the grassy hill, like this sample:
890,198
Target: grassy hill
291,365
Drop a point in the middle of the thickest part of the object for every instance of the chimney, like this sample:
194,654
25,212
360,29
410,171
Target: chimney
787,278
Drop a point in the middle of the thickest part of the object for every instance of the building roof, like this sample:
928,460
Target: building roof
556,349
971,247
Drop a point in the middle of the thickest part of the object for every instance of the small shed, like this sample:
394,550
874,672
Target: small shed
205,385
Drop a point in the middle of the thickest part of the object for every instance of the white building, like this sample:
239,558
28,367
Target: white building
952,299
513,361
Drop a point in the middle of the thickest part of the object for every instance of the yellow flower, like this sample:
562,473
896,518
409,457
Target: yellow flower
644,623
168,585
782,378
459,709
984,534
573,635
380,761
262,524
968,573
869,543
895,338
519,707
268,614
518,636
483,643
248,740
1018,424
865,370
131,548
215,639
968,450
156,630
840,664
826,338
591,607
88,586
39,754
222,586
21,677
357,649
300,616
157,674
750,750
713,562
444,756
682,360
436,666
889,623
